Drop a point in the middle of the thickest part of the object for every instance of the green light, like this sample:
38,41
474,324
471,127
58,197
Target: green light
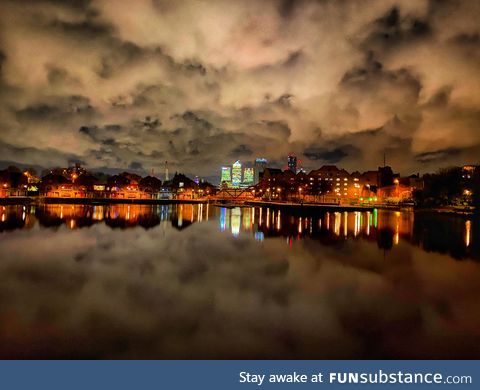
370,199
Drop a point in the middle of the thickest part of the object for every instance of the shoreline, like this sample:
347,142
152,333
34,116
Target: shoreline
309,206
454,211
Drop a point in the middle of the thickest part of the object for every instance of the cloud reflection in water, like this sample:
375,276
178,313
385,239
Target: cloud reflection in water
154,282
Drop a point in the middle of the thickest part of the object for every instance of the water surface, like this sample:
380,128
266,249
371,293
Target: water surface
198,281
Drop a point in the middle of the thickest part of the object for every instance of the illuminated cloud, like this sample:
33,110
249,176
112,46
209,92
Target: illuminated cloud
200,83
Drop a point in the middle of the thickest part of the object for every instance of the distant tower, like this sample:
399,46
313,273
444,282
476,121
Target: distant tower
236,173
259,166
166,171
292,163
248,176
226,176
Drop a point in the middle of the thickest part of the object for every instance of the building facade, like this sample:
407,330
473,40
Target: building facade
226,176
248,176
259,165
236,173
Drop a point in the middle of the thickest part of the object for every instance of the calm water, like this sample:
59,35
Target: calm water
198,281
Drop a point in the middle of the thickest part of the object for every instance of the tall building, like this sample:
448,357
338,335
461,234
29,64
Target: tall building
292,163
259,166
385,176
226,176
236,173
248,176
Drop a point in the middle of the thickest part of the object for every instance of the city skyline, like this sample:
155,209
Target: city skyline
332,82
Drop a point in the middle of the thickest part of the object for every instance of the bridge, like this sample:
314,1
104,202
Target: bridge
235,194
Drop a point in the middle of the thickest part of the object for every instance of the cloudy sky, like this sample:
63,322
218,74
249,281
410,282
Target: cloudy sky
130,84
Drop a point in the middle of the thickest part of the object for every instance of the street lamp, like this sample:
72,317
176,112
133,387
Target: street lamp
397,182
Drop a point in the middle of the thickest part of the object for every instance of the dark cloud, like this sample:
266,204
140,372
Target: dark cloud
241,151
394,29
136,166
437,155
86,29
58,108
331,156
40,157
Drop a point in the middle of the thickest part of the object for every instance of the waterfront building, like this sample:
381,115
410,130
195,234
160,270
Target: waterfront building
13,182
150,184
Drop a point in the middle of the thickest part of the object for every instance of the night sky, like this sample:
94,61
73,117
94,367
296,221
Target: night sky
130,84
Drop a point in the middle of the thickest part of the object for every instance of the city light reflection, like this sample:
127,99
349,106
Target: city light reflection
468,232
261,224
337,223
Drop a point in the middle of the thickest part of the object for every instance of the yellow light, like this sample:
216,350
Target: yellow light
468,232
